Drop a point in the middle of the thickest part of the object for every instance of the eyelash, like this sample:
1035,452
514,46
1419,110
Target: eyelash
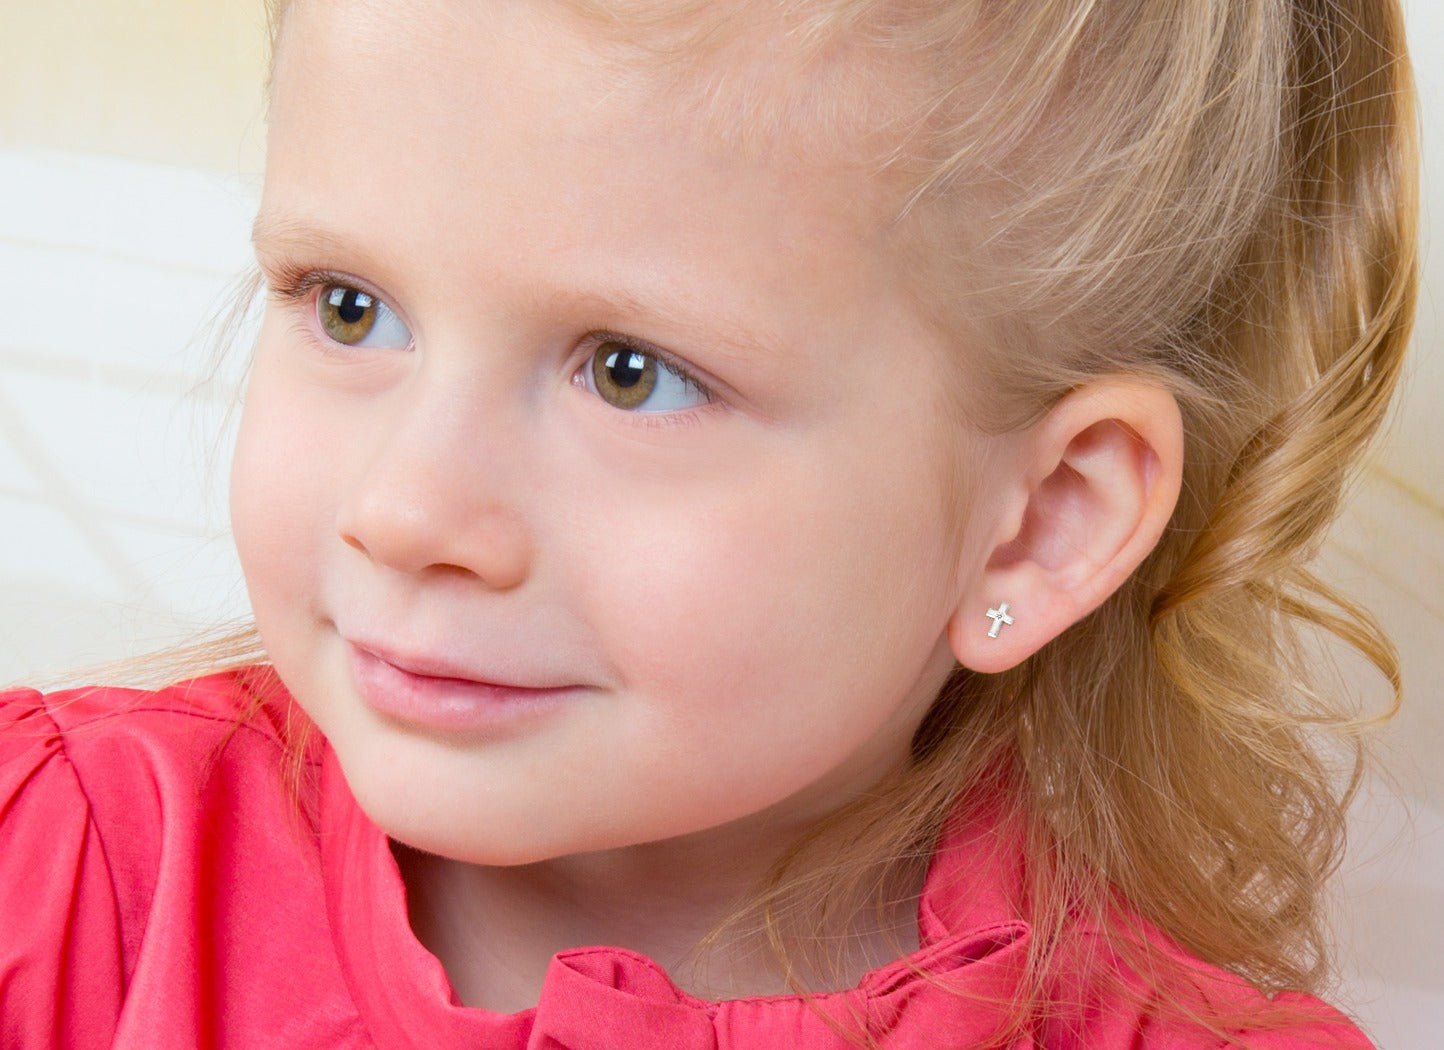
296,284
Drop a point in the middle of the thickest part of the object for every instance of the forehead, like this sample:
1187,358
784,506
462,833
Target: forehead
798,79
464,94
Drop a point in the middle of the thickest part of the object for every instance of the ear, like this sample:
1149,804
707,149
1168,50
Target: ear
1099,478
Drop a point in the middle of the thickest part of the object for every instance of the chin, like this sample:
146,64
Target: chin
481,835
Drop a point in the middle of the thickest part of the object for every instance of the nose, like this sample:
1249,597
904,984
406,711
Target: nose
437,494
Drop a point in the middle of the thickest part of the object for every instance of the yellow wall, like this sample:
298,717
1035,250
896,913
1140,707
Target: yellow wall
173,81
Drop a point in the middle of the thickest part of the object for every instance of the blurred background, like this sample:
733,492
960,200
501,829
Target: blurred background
131,144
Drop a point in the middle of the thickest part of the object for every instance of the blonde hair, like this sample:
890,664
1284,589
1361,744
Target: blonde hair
1221,195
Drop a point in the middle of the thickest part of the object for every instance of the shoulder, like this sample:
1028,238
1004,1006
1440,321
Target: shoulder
110,800
1142,990
247,698
134,765
1113,980
127,757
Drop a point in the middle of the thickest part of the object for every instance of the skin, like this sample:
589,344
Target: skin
750,601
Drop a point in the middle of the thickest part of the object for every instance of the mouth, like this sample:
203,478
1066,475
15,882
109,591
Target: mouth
430,694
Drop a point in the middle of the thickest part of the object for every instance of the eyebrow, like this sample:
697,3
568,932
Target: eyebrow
720,332
283,232
288,232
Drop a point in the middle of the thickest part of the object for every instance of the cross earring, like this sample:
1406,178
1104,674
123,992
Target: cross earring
1000,618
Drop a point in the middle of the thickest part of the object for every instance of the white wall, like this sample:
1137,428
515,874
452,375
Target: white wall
112,456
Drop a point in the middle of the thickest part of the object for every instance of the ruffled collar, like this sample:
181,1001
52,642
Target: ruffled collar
962,980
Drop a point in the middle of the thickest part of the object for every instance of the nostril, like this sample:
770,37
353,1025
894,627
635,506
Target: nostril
497,547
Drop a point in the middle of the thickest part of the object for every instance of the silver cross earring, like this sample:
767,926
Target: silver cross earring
1000,618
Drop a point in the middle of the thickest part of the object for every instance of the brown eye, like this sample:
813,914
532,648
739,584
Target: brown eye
623,377
635,379
347,315
352,317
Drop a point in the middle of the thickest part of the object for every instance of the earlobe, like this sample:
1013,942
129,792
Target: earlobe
1101,475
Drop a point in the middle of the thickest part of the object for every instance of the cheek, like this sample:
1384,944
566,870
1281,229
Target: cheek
812,581
278,492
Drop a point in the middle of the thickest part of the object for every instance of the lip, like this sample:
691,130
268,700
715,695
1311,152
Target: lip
431,694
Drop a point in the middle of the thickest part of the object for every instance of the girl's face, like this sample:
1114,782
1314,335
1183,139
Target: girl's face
590,489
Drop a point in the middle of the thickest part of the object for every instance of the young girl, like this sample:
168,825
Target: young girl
771,525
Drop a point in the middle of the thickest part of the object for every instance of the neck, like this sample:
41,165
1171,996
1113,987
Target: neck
495,930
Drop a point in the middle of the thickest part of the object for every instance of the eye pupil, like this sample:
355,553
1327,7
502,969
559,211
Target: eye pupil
626,368
353,306
347,314
623,376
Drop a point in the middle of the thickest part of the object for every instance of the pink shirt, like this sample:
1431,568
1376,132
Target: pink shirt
161,887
